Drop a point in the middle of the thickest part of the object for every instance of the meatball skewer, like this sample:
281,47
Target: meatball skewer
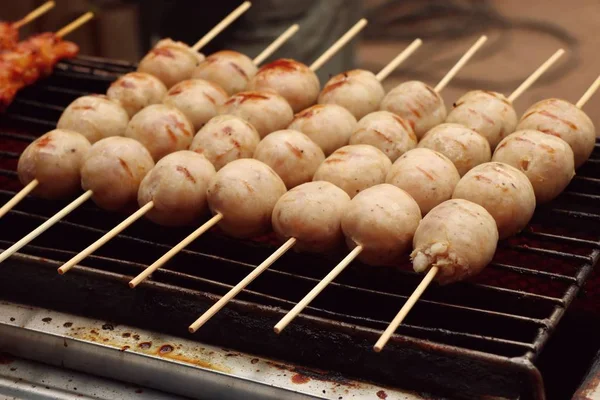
421,105
379,224
295,81
309,217
360,91
123,158
241,197
491,114
232,70
393,134
173,62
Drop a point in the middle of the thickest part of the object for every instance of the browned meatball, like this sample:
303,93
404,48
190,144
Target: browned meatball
136,90
229,69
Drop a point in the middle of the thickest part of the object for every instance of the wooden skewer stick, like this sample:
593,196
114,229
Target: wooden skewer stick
171,253
293,313
18,197
42,228
410,302
341,42
461,63
535,76
580,103
240,286
104,239
277,43
220,27
399,59
38,12
75,24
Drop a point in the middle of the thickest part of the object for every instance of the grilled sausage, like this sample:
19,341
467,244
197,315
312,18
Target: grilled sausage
170,61
386,131
488,113
463,146
358,91
225,138
229,69
504,191
354,168
245,192
113,169
136,90
197,99
54,159
382,219
457,236
291,154
161,129
265,110
564,120
312,214
95,117
418,104
328,125
177,186
428,176
546,160
293,80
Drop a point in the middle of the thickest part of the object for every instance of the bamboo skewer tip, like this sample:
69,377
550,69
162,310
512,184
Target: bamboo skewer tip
587,95
341,42
64,31
276,44
34,14
460,64
399,59
527,83
221,26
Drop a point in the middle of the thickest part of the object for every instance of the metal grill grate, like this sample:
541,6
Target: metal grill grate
454,341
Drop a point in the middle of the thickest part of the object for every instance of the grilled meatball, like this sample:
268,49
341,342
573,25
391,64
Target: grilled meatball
95,117
418,104
382,219
113,169
328,125
245,192
54,159
292,155
488,113
312,214
197,99
386,131
457,236
136,90
504,191
265,110
170,61
358,91
225,138
293,80
162,129
463,146
545,159
562,119
177,186
354,168
229,69
428,176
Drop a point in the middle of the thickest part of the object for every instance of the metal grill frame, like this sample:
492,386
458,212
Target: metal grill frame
445,368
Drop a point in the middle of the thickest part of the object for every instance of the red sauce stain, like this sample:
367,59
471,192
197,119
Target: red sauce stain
126,167
334,160
556,118
485,117
165,349
82,108
245,96
334,85
401,122
175,91
309,112
239,70
145,345
162,51
550,132
300,379
179,124
427,174
382,395
283,64
171,134
295,150
6,359
127,84
45,142
430,90
248,186
522,139
414,112
186,173
482,178
382,135
210,98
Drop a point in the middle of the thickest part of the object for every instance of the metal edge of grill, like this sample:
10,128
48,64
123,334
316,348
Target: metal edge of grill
478,372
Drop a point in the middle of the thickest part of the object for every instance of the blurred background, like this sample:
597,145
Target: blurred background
522,35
